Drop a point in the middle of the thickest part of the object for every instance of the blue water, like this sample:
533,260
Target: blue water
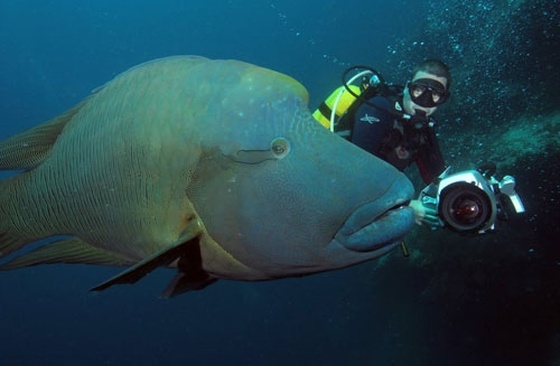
463,301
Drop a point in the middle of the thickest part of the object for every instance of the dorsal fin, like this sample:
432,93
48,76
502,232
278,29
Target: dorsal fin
30,148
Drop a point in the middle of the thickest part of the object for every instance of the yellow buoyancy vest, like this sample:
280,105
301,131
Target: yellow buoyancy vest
340,100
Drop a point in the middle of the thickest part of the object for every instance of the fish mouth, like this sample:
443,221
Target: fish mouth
376,224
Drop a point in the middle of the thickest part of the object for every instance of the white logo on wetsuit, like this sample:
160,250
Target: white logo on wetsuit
370,119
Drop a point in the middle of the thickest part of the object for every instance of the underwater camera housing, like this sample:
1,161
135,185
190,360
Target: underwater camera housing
471,201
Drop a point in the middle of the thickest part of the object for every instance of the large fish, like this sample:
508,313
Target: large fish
213,167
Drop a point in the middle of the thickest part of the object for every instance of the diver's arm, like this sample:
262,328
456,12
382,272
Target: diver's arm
430,160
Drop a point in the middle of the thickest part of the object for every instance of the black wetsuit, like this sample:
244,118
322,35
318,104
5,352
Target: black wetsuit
381,131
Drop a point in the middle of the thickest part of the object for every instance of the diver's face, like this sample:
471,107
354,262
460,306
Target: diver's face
410,106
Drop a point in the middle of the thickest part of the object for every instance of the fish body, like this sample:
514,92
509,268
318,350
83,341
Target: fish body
213,167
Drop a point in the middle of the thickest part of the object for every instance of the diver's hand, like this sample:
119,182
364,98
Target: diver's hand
425,215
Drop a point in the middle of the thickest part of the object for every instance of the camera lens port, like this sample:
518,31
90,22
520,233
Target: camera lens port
465,208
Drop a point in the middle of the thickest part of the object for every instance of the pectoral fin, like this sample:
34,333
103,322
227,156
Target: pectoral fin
191,276
183,248
184,282
133,274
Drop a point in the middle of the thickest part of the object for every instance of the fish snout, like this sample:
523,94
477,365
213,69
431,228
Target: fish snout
381,222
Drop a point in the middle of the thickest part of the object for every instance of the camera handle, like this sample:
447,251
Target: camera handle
507,186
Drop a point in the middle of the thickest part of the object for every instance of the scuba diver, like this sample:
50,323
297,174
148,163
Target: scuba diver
394,123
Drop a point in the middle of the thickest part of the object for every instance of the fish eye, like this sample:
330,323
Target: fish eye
280,147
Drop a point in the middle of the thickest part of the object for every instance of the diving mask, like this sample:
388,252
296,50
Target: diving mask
427,93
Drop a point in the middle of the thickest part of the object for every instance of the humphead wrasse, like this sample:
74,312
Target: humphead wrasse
213,167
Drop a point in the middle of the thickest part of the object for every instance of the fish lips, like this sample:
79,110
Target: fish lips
375,225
